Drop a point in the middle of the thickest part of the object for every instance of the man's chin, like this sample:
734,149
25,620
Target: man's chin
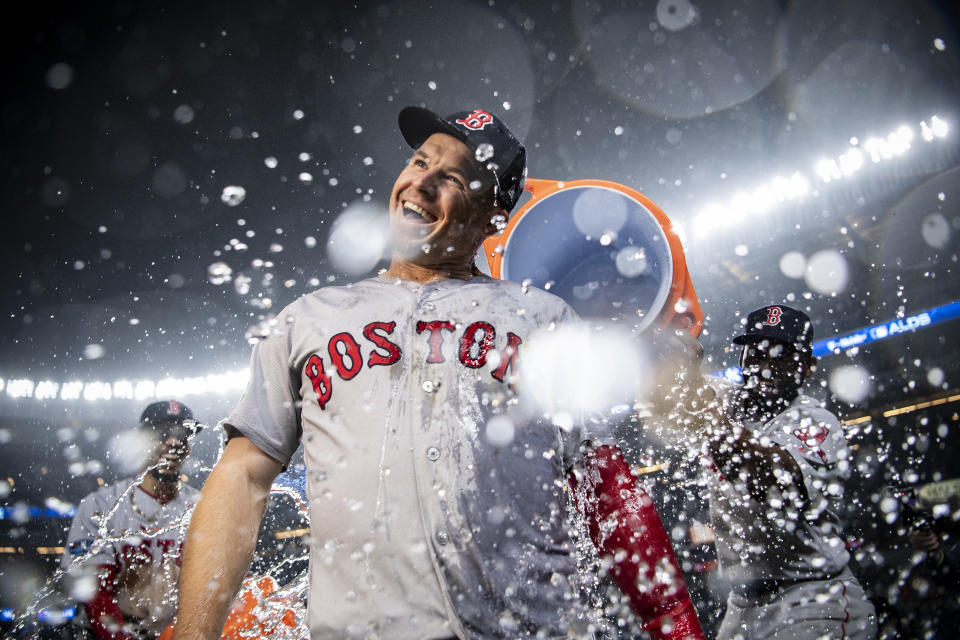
413,248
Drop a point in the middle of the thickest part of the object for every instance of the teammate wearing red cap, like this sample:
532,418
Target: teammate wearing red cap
123,550
425,525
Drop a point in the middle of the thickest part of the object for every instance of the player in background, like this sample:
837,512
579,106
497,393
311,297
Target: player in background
426,522
124,545
779,463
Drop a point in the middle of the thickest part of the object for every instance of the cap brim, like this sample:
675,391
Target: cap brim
417,124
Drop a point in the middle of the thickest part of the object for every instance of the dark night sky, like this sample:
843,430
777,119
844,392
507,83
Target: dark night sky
121,127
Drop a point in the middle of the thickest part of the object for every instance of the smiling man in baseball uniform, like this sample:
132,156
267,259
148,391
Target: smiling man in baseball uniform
424,522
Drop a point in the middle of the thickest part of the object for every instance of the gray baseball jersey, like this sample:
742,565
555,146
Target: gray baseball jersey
423,523
755,542
762,543
142,545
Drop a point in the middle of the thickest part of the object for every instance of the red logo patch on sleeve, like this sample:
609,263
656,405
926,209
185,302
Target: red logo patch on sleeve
812,437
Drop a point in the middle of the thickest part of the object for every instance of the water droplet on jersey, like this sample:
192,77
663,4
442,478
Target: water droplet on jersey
525,285
233,195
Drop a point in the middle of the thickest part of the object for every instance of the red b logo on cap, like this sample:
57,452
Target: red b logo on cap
773,316
476,120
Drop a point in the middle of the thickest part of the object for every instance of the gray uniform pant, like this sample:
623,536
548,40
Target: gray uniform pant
836,609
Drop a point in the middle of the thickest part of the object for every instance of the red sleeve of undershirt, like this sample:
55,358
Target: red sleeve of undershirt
643,564
104,615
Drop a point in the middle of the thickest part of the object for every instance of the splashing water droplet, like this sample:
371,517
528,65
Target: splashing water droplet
241,284
183,114
219,272
793,264
233,195
358,239
850,383
631,261
484,152
500,430
93,351
827,272
935,231
935,376
59,76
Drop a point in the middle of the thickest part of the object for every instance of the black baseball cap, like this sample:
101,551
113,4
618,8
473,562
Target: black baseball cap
169,412
493,146
779,323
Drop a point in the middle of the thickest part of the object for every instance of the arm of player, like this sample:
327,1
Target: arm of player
758,466
83,557
103,613
222,538
626,529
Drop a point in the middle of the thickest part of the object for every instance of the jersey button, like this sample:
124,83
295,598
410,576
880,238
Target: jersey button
433,454
429,306
442,537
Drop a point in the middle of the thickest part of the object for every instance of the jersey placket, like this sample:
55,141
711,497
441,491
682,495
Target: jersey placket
430,437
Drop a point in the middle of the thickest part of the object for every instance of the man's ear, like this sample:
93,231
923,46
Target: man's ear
811,366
